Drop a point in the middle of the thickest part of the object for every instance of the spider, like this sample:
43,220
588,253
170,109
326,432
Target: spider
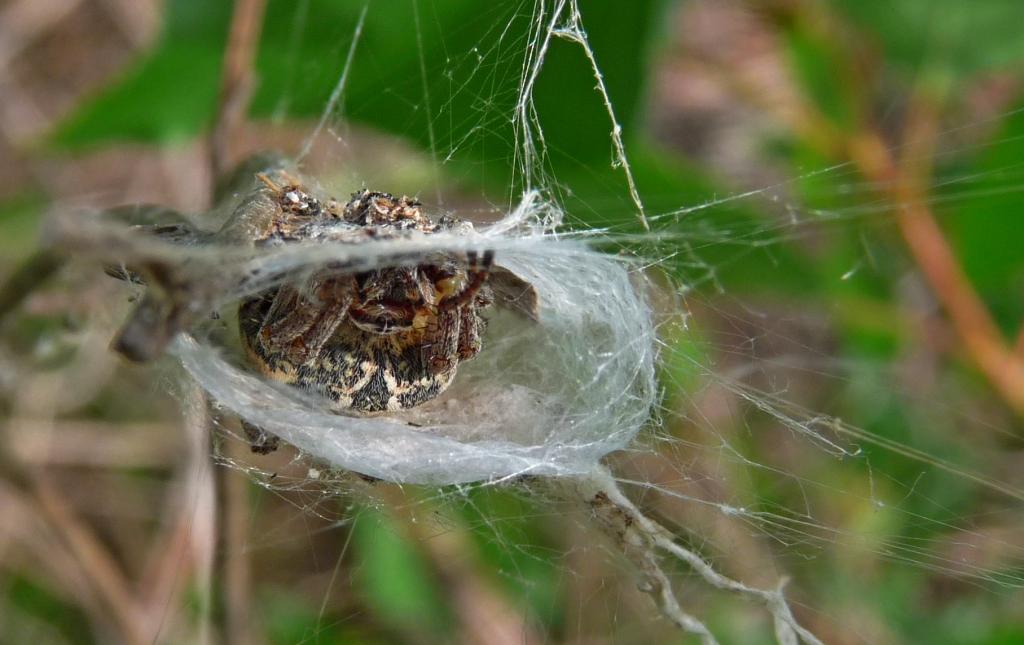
368,341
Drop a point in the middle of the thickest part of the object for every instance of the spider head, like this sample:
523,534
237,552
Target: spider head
389,299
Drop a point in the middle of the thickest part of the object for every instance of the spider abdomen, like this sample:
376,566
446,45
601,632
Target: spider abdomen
365,372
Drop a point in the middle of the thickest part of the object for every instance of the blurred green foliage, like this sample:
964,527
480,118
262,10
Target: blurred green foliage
946,37
39,603
986,227
19,219
472,56
473,61
396,580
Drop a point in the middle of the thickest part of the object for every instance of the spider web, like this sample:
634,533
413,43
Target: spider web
767,452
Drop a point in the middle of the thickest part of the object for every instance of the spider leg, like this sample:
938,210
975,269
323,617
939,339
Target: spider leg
440,349
297,326
477,272
290,314
470,327
260,441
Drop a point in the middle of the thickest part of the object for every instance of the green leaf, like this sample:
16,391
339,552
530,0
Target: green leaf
26,596
981,208
169,95
19,225
818,65
529,573
393,577
943,36
470,60
288,618
472,57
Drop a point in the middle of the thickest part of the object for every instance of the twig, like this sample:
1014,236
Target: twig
236,82
95,444
905,181
21,23
164,577
29,276
982,339
229,489
203,525
574,32
98,567
187,544
233,549
643,540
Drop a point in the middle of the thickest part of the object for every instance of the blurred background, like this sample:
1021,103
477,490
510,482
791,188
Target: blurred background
835,195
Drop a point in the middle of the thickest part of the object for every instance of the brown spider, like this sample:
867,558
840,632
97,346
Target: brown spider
371,341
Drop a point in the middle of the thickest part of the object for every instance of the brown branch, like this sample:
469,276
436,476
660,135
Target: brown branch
187,542
236,81
971,320
235,567
23,22
906,182
230,489
100,571
29,276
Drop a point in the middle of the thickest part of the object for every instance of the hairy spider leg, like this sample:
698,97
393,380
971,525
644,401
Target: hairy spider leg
471,327
260,441
478,272
456,334
441,342
300,328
